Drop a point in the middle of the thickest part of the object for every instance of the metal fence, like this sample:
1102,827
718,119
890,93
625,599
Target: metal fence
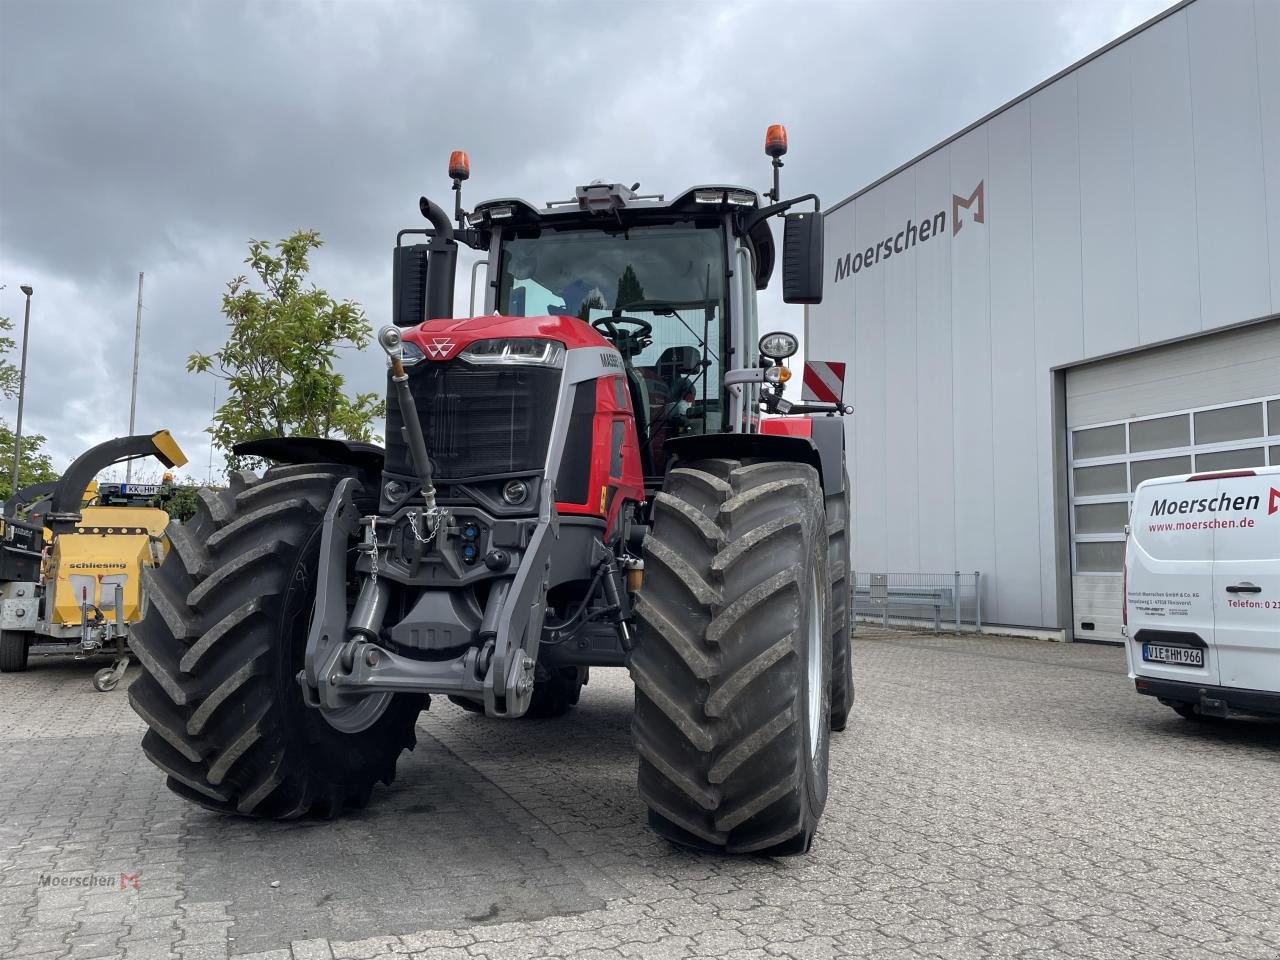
951,600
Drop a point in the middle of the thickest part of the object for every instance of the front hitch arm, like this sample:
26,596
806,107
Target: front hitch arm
328,631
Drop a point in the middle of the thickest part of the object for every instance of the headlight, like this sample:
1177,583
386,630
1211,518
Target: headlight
515,492
410,353
778,345
531,351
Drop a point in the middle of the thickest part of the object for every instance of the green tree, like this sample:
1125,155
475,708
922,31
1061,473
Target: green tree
35,465
278,361
629,289
593,302
182,504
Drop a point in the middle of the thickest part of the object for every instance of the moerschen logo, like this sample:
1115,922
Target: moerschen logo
971,208
974,204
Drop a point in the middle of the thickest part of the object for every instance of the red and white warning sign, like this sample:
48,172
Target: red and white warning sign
823,381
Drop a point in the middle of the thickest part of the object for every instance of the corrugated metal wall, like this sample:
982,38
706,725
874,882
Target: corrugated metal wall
1133,200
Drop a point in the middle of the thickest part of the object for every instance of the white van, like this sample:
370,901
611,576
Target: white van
1202,591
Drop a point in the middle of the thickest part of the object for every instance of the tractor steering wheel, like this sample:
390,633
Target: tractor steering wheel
609,327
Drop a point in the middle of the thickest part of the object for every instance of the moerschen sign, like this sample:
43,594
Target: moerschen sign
913,233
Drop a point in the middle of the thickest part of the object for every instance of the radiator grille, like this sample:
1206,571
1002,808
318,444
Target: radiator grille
476,420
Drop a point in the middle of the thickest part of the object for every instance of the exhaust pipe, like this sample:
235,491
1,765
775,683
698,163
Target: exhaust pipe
389,339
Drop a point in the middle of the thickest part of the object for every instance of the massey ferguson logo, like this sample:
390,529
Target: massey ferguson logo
1273,501
906,238
439,348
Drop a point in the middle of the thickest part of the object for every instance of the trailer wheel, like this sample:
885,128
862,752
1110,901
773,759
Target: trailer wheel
220,649
841,616
733,665
15,650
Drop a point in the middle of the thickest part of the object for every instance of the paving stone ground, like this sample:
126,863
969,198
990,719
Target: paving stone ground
992,797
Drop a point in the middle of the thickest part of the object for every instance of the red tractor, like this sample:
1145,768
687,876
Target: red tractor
577,476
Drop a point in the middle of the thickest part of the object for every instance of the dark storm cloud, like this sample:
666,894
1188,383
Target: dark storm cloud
160,136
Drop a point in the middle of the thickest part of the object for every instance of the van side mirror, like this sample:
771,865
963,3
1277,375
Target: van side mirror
802,258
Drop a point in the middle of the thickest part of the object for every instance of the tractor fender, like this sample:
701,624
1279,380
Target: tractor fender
817,441
289,450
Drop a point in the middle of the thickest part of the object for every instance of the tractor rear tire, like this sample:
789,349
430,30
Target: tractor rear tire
733,665
841,616
15,650
220,649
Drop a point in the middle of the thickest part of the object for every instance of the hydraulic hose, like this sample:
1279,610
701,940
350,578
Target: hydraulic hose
389,338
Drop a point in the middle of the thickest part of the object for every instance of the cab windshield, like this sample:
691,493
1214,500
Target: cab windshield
658,292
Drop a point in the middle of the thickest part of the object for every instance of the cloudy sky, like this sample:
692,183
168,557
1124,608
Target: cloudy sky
160,136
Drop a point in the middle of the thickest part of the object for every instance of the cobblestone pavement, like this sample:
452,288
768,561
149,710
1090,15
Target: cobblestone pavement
991,798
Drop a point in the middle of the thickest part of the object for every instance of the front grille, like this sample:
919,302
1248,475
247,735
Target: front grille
477,420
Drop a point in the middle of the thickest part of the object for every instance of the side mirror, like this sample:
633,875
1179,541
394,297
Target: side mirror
409,285
802,258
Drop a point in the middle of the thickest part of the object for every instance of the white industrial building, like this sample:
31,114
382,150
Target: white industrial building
1079,291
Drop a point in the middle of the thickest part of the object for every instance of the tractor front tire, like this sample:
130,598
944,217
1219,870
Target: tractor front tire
15,650
221,646
733,665
838,521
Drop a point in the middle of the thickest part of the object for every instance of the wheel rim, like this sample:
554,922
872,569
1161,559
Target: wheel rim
814,702
359,716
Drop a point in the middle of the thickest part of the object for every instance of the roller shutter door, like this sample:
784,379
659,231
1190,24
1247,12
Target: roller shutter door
1211,403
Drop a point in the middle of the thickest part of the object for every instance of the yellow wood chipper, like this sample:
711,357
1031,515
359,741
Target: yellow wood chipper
71,571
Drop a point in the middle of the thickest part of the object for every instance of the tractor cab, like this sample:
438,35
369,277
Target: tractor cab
670,283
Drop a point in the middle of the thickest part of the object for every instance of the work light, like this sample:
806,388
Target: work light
778,345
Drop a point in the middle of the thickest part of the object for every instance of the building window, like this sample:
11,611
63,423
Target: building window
1099,442
1141,470
1160,433
1229,423
1100,556
1231,459
1102,517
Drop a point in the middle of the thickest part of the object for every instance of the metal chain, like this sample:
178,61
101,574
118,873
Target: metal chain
435,515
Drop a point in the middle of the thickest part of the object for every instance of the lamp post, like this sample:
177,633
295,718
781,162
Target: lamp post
22,387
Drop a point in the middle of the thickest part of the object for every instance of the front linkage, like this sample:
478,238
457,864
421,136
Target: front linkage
350,676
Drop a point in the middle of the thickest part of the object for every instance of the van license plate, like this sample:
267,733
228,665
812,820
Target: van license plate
1184,656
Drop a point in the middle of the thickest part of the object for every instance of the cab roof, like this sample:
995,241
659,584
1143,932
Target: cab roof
598,200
